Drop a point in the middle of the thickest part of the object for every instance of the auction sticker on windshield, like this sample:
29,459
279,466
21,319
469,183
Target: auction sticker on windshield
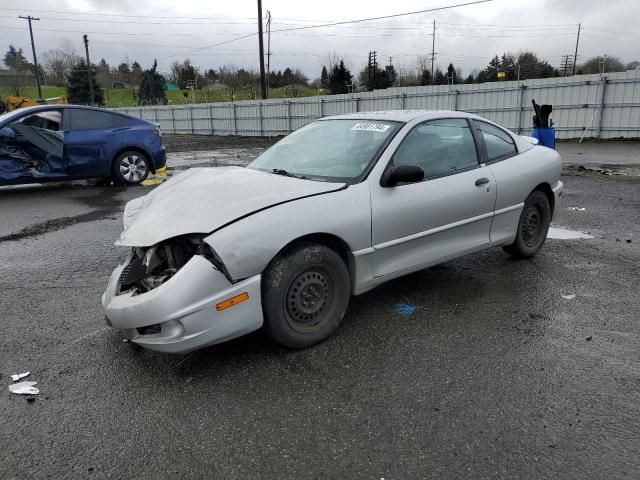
371,127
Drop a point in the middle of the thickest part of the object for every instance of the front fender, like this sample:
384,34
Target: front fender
247,246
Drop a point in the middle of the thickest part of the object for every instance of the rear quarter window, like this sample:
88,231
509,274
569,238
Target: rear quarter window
95,120
498,143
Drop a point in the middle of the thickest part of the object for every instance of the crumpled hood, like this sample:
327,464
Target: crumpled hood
201,200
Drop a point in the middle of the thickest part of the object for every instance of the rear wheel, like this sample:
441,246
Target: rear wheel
305,294
532,227
130,168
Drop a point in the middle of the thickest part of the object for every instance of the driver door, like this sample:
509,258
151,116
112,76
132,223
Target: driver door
444,216
31,147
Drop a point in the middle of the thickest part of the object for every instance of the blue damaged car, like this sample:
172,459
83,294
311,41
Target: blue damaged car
70,142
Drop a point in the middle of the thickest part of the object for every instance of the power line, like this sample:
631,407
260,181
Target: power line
346,22
360,20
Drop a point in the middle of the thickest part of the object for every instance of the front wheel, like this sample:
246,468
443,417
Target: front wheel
305,294
532,227
130,168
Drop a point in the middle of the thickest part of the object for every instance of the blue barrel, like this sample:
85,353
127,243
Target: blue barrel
546,136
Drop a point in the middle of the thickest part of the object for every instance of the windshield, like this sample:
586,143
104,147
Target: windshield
329,150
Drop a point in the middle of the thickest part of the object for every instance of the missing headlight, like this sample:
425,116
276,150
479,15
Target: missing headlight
150,267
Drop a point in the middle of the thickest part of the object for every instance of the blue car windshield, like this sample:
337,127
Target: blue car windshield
328,150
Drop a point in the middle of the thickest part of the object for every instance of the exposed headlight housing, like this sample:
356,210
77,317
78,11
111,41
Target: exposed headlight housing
150,267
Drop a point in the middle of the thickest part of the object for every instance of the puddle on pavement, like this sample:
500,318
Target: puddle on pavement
558,233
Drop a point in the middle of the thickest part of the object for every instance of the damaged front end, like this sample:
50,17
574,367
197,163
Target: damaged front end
148,268
166,297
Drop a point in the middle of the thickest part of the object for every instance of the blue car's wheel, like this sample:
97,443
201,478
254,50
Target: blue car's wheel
130,168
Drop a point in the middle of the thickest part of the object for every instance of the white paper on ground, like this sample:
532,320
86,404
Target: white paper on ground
558,233
24,388
569,297
18,376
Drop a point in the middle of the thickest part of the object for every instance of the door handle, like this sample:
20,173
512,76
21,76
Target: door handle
482,181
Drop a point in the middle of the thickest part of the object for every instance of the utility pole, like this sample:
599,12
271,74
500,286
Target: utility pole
433,50
33,49
375,69
263,85
575,56
564,64
268,49
86,50
372,67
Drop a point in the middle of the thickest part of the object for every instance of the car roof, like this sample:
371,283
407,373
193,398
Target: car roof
402,115
38,108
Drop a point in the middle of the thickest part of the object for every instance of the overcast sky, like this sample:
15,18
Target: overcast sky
467,36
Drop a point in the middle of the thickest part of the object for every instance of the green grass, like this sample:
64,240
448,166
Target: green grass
125,98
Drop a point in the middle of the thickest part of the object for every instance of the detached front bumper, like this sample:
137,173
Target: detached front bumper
180,315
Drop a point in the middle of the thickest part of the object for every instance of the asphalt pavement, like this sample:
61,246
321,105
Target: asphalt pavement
501,372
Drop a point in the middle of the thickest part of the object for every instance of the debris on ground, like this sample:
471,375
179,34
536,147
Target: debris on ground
569,297
558,233
404,309
24,388
19,376
589,338
578,209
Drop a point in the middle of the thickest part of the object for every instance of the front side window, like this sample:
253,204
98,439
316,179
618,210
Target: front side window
48,119
328,150
498,143
440,147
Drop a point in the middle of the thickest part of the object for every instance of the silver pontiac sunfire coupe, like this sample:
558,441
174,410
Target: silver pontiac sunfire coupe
334,209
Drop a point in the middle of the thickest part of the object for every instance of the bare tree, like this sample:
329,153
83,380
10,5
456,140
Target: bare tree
331,59
54,63
423,62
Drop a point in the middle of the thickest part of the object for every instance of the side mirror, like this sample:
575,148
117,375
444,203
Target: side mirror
402,174
6,132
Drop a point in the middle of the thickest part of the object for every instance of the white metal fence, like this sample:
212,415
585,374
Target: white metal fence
606,107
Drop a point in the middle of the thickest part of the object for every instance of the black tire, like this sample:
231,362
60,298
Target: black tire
130,168
532,227
305,294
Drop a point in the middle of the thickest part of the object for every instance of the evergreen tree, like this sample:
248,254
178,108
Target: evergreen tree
439,78
78,91
152,87
136,73
469,79
287,77
18,64
491,72
451,74
425,78
15,60
324,78
392,75
340,79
